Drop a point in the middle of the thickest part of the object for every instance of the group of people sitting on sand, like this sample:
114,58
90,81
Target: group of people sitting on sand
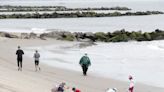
84,62
63,88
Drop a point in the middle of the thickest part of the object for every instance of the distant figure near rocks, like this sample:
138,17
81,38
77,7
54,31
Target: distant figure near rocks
19,54
85,63
131,86
36,57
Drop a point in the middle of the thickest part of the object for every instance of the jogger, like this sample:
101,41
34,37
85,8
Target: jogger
19,54
36,57
19,62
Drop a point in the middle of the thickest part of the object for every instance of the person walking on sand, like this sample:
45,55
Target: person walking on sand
85,63
131,86
36,57
19,54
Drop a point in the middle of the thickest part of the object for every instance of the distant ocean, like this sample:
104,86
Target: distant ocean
107,24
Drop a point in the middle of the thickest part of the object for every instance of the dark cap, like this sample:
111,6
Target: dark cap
73,88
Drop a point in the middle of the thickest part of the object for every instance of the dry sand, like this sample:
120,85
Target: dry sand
28,80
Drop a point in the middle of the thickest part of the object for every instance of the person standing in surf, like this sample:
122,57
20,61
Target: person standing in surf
19,54
85,63
36,57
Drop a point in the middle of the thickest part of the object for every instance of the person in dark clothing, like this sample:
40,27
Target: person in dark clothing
19,54
85,63
59,88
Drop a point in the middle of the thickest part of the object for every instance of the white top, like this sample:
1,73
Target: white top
131,84
37,56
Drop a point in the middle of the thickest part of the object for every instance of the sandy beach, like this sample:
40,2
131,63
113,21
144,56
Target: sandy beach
28,80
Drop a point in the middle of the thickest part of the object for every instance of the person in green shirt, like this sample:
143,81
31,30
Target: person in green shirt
85,63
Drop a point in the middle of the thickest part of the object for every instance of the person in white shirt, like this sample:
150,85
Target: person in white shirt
131,86
36,57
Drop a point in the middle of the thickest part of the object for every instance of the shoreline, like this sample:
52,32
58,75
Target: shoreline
58,51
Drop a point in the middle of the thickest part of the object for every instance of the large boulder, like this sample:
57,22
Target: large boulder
90,36
43,36
78,35
53,34
32,35
25,36
59,35
8,35
68,36
66,33
158,31
2,34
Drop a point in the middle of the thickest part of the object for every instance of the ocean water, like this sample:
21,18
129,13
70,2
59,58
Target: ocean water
143,60
105,24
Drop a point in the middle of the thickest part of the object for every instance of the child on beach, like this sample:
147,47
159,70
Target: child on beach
131,86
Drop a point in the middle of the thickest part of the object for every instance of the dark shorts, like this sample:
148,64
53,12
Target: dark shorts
131,89
19,59
36,62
